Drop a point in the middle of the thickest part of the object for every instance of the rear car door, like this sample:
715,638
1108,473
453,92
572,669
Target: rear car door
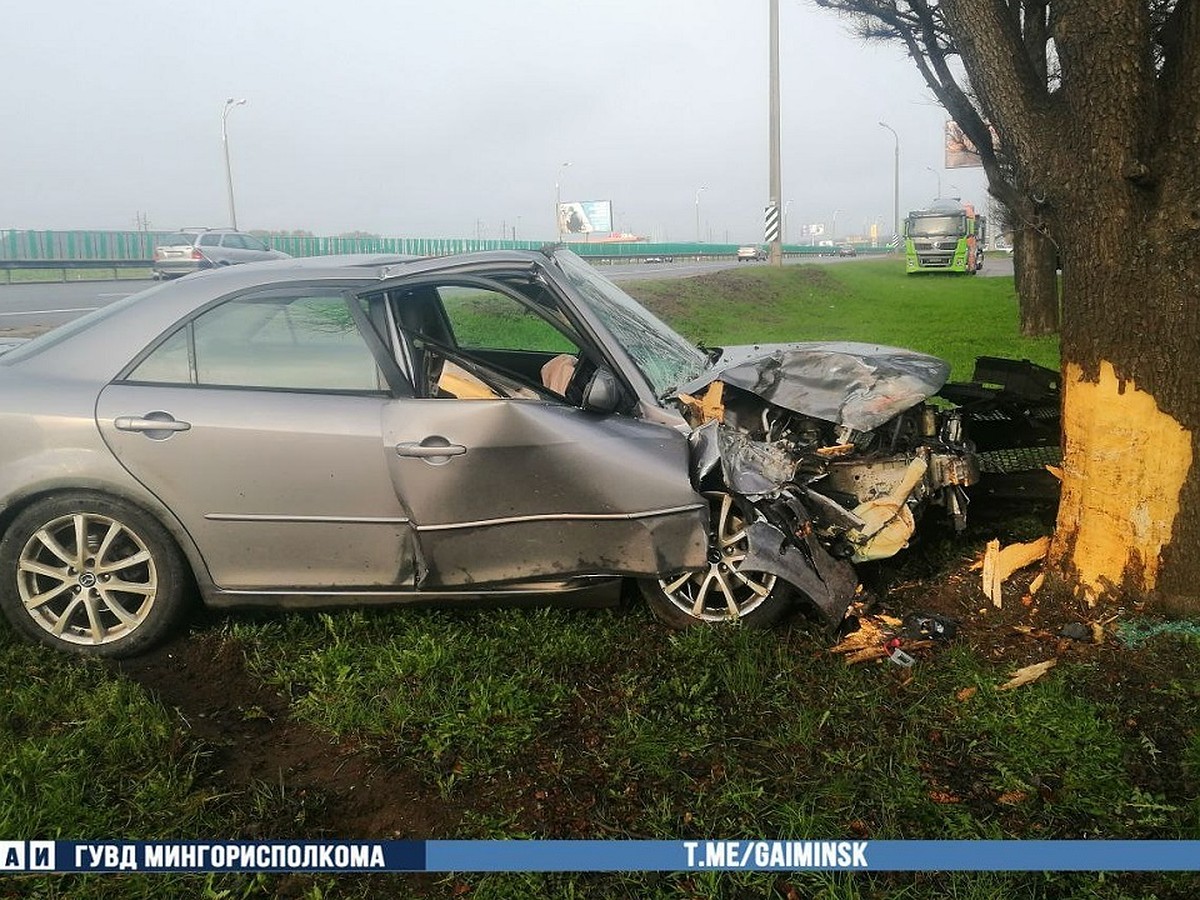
258,424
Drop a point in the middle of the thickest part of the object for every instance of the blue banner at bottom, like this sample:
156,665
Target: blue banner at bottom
598,856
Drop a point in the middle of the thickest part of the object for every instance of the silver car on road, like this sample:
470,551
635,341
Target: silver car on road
194,249
497,425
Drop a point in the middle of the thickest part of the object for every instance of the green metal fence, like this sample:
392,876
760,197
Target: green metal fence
17,245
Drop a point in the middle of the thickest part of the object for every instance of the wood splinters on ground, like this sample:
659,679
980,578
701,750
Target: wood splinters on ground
999,564
1028,674
873,631
1036,584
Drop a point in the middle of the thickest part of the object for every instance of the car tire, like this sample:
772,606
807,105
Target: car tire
712,594
120,596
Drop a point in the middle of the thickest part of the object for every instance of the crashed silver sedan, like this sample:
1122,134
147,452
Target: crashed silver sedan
503,425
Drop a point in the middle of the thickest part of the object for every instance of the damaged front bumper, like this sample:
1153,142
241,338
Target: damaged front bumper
839,481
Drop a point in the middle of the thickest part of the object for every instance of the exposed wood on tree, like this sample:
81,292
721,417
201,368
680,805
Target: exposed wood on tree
1105,147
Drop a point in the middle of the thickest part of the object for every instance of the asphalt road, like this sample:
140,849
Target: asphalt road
34,307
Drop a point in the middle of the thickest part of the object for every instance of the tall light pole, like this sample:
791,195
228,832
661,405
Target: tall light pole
699,191
558,202
229,105
939,178
835,214
786,207
776,251
895,183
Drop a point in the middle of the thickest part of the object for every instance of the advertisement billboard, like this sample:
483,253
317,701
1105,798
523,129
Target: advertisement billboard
961,153
585,217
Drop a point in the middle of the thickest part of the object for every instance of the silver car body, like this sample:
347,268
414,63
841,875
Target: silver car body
389,488
192,250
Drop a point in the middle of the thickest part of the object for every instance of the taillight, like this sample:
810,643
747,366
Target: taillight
158,253
196,254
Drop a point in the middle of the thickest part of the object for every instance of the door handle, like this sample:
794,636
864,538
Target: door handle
153,424
436,450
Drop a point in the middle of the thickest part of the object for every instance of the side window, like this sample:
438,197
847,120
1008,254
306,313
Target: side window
307,343
168,364
233,241
250,242
210,240
487,320
468,343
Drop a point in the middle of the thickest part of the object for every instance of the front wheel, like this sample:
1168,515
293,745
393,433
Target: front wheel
723,591
90,574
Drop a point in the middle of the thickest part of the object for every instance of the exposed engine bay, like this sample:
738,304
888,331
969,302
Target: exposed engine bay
838,451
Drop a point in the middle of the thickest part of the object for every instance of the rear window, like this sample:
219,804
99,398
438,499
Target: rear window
177,240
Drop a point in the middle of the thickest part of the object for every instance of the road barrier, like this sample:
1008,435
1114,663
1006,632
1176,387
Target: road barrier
125,250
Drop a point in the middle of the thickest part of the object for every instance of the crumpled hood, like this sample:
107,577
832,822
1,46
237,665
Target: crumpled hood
843,382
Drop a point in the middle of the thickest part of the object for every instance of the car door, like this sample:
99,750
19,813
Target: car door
233,249
258,425
505,480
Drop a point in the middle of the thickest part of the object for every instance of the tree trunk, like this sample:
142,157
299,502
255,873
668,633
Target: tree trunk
1129,521
1035,263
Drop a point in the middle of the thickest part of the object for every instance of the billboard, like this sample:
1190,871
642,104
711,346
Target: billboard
585,217
961,153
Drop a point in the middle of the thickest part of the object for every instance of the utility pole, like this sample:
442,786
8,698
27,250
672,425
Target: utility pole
772,233
895,184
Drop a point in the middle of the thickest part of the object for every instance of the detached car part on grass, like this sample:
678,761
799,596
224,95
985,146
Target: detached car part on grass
505,425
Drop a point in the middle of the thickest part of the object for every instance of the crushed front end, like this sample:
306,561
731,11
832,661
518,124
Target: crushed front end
837,449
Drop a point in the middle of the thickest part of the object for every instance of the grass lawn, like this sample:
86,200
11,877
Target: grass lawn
955,317
600,724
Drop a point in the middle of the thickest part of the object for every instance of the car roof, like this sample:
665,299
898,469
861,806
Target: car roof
105,346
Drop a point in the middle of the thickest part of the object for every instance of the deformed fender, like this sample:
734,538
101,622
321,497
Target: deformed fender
802,562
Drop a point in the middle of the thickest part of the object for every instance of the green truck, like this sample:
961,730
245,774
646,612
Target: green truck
946,237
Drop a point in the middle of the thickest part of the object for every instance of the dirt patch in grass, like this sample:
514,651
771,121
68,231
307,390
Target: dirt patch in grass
675,299
344,790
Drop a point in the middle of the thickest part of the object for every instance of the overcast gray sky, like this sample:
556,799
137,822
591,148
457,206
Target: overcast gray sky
438,119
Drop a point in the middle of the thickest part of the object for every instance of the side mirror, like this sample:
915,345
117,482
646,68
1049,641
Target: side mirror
602,394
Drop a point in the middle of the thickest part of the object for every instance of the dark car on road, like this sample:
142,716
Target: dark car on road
501,425
193,249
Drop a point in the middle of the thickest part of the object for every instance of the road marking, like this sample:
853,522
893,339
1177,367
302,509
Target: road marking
42,312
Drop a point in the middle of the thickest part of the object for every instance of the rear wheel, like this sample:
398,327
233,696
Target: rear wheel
722,591
90,574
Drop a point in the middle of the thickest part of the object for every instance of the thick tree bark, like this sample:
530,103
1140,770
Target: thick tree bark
1110,158
1035,267
1129,521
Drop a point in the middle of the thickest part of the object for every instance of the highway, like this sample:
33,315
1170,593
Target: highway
31,308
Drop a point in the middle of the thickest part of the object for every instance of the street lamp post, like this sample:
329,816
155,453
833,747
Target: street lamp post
835,215
558,202
786,207
938,175
895,182
699,191
229,105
